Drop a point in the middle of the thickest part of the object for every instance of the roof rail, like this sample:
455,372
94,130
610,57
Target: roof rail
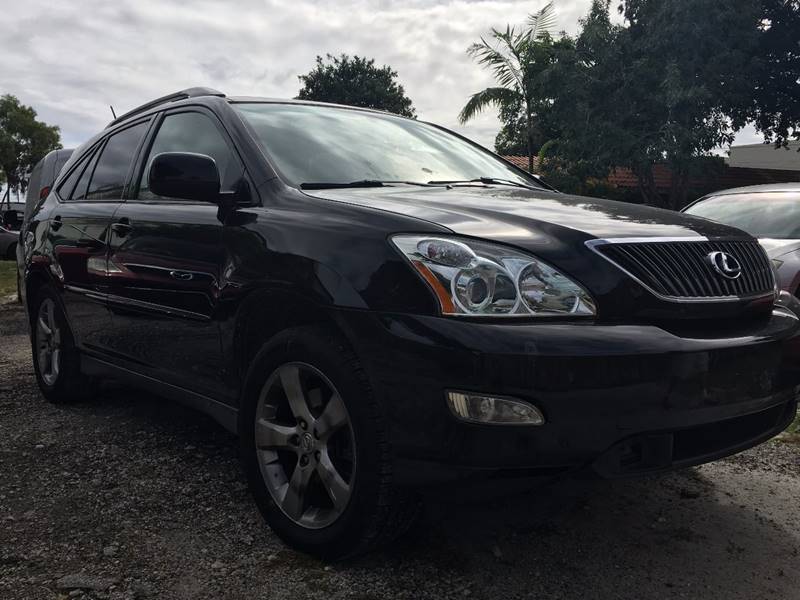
194,92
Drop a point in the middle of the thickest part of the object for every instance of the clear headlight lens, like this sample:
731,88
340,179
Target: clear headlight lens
478,278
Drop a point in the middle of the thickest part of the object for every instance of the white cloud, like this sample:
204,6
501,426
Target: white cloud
72,60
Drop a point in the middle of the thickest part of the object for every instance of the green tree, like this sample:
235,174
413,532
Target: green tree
512,139
776,75
23,141
517,58
355,81
696,55
661,88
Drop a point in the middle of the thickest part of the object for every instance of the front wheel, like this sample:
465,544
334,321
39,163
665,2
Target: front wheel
315,450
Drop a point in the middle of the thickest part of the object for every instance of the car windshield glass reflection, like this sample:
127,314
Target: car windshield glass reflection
314,144
761,215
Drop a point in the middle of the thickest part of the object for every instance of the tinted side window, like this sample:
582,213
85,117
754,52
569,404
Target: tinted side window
111,171
79,193
66,187
193,132
74,187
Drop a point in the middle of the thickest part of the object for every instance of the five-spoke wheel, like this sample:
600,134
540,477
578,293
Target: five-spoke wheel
305,445
48,342
56,360
315,447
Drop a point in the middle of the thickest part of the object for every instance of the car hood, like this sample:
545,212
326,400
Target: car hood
555,227
525,217
776,247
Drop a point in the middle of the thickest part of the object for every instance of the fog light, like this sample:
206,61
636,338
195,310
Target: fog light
492,410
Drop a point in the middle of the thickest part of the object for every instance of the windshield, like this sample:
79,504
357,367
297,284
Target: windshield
319,144
762,215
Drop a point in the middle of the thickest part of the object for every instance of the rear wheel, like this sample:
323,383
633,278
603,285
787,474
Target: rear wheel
11,252
315,449
55,358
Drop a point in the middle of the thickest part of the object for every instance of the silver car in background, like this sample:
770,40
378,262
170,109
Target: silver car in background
769,212
8,243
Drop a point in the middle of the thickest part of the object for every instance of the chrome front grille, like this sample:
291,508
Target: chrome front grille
680,269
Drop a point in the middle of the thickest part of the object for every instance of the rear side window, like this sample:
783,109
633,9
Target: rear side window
79,193
66,187
74,187
111,171
193,132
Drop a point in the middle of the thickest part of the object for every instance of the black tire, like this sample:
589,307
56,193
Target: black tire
377,512
69,384
11,252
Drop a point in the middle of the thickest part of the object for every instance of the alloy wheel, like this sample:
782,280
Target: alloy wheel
48,342
305,445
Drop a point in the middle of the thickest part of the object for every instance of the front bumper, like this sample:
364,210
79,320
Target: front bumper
626,399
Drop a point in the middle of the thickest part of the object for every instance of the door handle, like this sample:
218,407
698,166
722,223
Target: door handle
56,223
182,275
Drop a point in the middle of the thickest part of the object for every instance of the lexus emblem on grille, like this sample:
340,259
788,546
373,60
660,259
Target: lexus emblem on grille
725,264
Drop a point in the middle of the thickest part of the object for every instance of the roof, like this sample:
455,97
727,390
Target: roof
726,178
762,189
204,92
790,143
194,92
522,161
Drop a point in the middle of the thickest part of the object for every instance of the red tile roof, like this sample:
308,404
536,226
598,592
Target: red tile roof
725,178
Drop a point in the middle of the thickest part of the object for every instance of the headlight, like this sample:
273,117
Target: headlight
477,278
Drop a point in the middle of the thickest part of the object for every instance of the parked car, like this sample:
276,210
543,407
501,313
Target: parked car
8,243
374,303
43,175
770,213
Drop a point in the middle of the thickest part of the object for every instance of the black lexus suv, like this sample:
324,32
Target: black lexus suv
375,303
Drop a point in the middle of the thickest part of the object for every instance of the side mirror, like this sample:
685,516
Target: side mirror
184,175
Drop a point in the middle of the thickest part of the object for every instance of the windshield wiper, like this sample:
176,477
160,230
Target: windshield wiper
486,181
361,183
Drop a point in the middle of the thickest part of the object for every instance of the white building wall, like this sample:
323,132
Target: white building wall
766,156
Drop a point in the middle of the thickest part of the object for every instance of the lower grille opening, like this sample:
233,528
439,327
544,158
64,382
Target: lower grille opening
658,451
715,437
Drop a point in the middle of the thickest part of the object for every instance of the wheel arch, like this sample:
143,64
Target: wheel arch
38,276
266,313
35,280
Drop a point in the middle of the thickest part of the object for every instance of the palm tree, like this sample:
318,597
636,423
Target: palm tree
509,54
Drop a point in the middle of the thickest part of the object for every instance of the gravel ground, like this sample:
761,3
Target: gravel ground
129,496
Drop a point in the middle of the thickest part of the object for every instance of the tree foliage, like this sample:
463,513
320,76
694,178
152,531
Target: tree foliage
775,108
664,87
689,61
355,81
673,82
23,141
518,58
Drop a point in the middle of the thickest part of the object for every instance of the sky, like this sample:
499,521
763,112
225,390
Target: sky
70,60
